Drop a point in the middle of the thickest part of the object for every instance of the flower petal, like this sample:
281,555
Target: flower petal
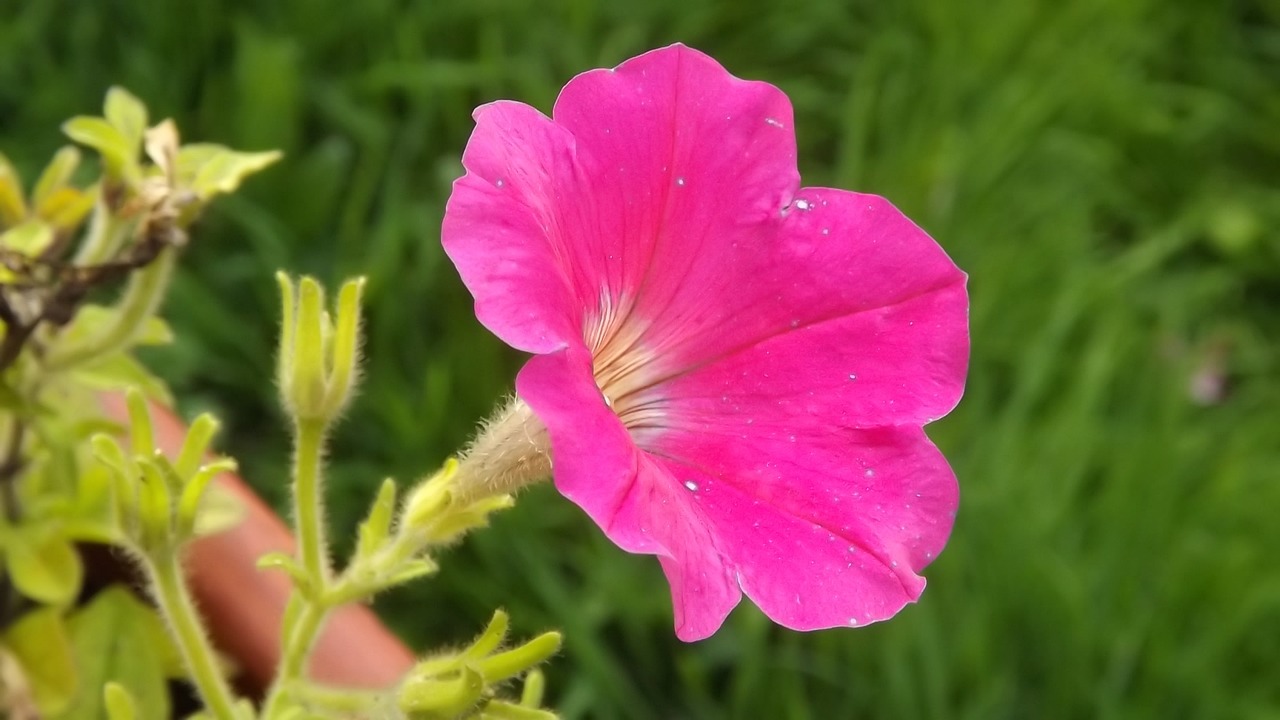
498,226
632,497
683,159
825,530
852,317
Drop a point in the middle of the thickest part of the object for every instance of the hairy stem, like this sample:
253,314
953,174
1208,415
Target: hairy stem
175,603
308,505
146,289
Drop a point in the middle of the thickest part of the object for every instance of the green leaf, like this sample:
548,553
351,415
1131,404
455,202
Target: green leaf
114,641
90,319
119,156
120,372
119,703
127,114
47,569
41,645
211,170
56,174
93,516
66,207
13,204
29,239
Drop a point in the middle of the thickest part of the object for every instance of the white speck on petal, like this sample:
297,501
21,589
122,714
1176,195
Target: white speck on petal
693,486
499,182
826,231
680,181
803,205
773,122
853,621
852,376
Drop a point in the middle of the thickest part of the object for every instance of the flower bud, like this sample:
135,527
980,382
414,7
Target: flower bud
319,355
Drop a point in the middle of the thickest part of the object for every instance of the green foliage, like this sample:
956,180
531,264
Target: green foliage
1104,169
120,640
39,642
60,244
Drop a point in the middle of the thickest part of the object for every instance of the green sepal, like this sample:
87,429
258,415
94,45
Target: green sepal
491,638
429,694
503,710
508,664
376,528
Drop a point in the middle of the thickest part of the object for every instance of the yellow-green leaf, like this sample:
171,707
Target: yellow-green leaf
56,174
224,169
119,703
30,238
13,205
46,569
41,645
118,154
127,113
66,207
90,319
120,372
113,643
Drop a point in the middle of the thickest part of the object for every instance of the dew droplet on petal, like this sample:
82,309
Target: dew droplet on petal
870,473
853,621
693,486
680,181
773,121
826,231
803,205
852,376
499,182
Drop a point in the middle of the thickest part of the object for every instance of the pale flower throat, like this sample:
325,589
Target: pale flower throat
513,449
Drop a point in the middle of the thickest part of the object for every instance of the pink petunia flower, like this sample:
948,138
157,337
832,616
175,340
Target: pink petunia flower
732,371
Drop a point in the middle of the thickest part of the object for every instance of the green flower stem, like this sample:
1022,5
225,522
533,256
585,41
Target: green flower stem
308,512
308,508
293,658
146,289
175,602
106,234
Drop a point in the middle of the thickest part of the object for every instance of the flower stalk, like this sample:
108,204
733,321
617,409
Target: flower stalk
171,595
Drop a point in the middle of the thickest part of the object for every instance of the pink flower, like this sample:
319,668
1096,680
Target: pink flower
733,371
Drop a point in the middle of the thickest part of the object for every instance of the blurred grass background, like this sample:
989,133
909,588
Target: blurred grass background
1108,172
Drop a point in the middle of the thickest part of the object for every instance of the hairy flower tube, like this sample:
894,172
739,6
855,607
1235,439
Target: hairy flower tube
729,371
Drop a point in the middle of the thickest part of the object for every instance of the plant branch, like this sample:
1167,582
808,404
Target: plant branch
175,603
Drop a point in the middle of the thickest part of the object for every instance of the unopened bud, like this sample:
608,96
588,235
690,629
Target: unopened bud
319,355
